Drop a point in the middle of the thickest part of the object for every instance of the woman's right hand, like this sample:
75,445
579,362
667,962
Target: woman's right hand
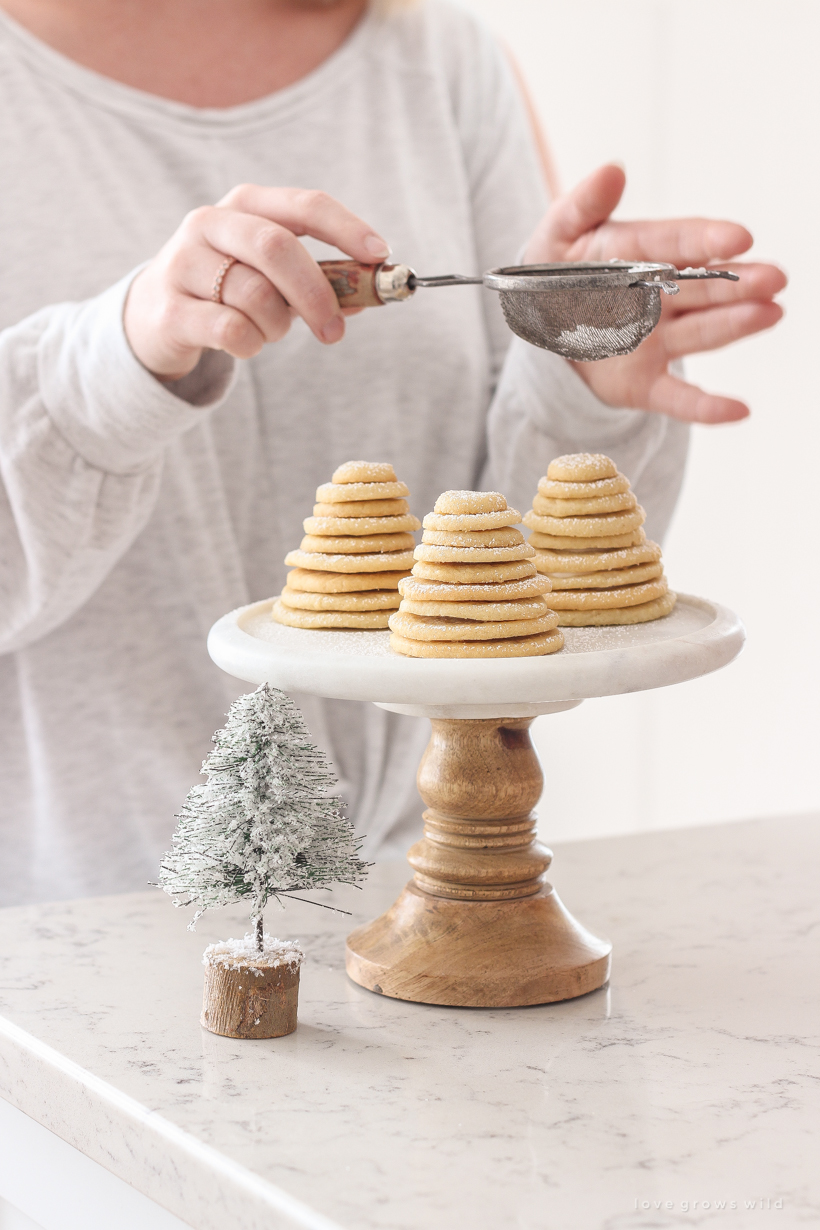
170,316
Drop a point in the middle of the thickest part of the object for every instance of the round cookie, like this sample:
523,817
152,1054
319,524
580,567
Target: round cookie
587,527
605,580
581,468
470,502
419,590
623,502
364,472
527,608
471,521
440,628
328,619
556,562
607,599
472,555
380,600
514,647
582,491
474,574
306,581
329,527
354,546
626,615
363,508
506,537
383,561
552,542
344,493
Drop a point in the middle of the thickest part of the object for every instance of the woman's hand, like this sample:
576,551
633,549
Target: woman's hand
170,317
703,316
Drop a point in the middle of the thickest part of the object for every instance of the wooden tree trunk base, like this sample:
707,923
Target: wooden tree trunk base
241,1003
477,954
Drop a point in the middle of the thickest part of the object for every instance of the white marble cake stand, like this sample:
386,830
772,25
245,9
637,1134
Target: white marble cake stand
478,925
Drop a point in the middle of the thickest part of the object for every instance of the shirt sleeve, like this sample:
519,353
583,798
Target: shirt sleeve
541,408
83,428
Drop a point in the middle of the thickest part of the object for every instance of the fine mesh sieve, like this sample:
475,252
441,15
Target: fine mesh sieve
593,313
581,310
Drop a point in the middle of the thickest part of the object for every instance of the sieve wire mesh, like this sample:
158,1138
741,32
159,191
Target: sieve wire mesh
583,324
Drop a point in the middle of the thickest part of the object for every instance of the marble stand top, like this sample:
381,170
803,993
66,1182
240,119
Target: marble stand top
693,1078
699,636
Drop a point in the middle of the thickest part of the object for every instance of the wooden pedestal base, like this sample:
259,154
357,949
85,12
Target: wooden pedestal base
479,926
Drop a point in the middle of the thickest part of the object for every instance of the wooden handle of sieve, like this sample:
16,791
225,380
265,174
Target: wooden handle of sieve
354,284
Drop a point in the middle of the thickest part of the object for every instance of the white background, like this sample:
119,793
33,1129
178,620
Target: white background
712,107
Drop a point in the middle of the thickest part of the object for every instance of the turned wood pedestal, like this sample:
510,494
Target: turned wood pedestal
478,926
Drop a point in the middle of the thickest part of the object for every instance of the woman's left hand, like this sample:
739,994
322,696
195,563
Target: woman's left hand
703,316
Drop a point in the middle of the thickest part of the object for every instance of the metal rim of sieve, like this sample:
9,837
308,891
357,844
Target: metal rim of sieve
587,275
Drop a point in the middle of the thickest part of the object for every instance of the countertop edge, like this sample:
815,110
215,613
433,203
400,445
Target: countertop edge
182,1174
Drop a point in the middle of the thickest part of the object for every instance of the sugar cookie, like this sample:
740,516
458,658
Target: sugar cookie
364,472
306,581
401,561
363,508
555,562
623,502
588,541
419,590
356,546
506,537
442,628
343,493
581,467
471,521
587,527
607,599
472,555
626,615
328,619
370,600
330,527
552,490
554,542
605,580
473,586
514,647
470,502
474,574
526,608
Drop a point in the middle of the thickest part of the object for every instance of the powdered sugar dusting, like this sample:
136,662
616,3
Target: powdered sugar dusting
236,954
470,502
301,642
364,472
581,467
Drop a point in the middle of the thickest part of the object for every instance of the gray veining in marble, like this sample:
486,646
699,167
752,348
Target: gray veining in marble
694,1077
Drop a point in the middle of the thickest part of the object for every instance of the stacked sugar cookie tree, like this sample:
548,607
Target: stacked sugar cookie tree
589,541
474,591
357,547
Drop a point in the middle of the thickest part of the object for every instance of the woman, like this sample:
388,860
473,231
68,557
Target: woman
150,483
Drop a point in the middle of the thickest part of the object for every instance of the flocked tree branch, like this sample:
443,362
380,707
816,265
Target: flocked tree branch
263,825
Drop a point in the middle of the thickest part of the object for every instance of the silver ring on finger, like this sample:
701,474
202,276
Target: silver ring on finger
216,293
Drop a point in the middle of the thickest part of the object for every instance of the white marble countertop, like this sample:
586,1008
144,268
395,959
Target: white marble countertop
693,1078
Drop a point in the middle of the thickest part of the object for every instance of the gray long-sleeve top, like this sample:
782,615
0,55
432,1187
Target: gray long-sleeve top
134,514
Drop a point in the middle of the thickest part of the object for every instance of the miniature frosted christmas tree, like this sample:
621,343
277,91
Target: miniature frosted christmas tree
263,826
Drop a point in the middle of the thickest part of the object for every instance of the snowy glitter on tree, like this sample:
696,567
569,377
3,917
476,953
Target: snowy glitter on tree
263,825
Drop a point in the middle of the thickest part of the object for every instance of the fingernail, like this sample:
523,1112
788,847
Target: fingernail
376,246
333,330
